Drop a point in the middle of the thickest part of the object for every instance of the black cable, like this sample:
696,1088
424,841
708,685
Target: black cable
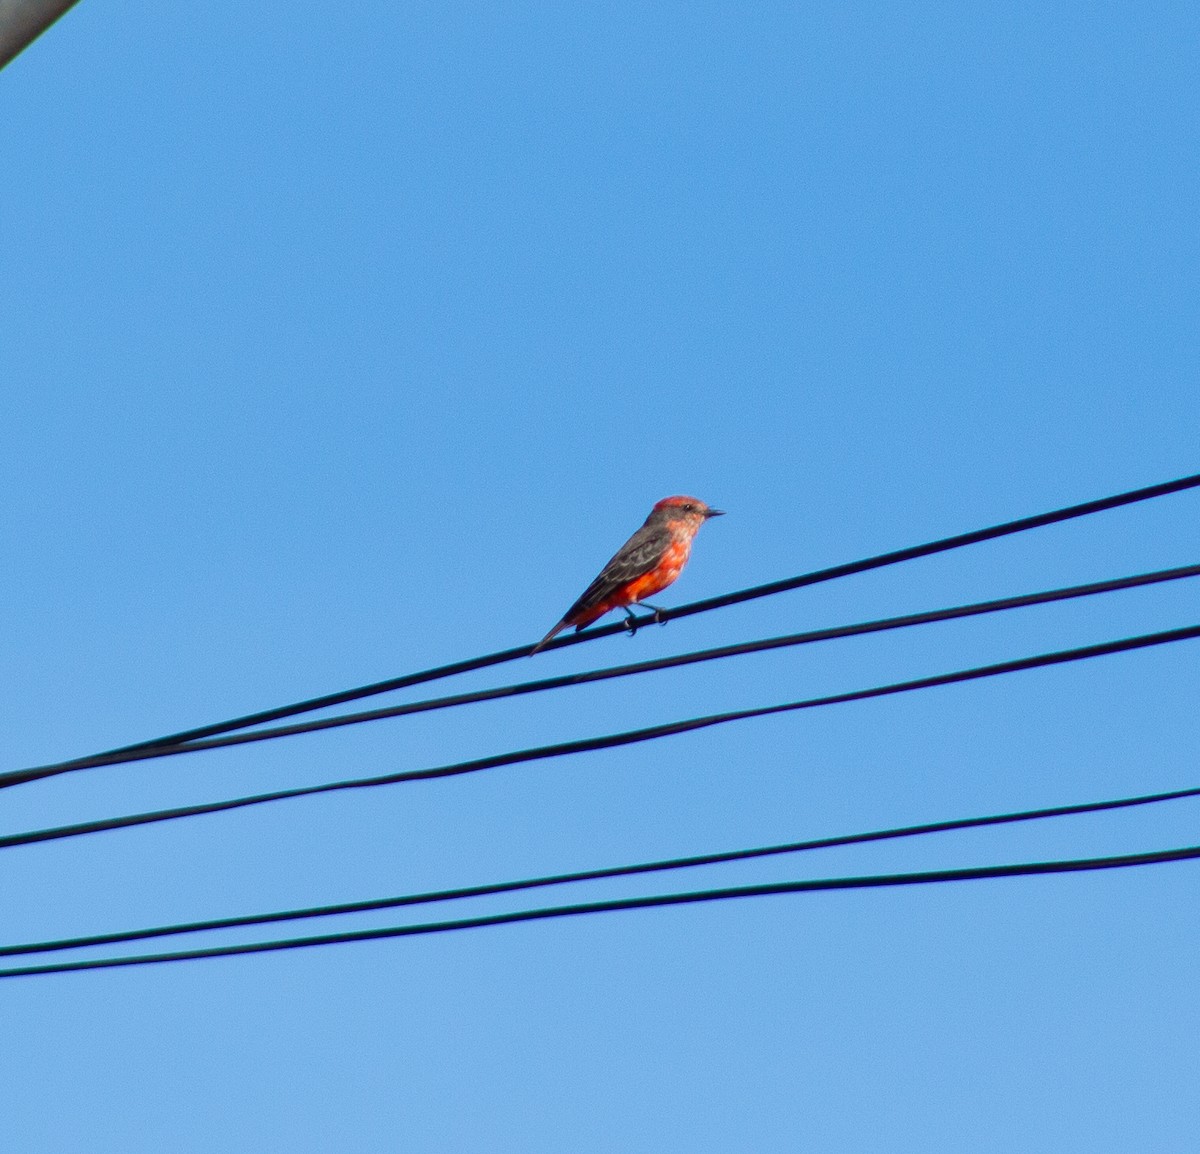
35,773
607,741
818,576
815,885
697,860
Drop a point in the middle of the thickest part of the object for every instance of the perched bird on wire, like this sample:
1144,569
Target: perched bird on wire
646,564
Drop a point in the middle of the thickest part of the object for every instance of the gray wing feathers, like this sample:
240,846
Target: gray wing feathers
640,553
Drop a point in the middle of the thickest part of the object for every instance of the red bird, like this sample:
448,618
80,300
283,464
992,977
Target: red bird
646,564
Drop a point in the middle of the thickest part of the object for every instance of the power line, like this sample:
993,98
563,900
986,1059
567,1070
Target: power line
846,569
679,863
607,741
815,885
35,773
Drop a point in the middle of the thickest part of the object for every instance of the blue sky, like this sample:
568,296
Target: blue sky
341,343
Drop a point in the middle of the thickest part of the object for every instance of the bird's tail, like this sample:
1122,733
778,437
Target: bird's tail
550,636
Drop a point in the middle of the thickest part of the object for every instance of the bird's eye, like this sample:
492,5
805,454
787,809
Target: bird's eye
689,508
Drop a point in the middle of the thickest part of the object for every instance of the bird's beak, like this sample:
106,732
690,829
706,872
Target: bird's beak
713,513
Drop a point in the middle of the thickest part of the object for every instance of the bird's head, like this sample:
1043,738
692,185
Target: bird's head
688,509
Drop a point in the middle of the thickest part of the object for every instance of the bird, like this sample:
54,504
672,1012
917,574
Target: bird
646,564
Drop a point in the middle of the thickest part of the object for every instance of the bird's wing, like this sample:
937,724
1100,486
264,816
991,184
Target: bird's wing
638,555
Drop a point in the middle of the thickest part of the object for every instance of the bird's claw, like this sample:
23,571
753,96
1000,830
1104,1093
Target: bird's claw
633,622
656,614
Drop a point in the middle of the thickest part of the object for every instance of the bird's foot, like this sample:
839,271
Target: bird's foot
658,617
633,622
